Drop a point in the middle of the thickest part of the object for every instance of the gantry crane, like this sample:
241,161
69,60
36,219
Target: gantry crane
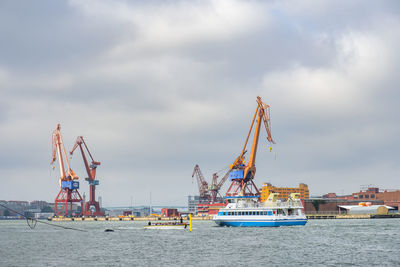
68,179
242,172
91,172
202,184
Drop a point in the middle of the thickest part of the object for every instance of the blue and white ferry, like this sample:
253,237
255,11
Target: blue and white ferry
244,211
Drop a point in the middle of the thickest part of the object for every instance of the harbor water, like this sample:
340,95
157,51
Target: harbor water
320,243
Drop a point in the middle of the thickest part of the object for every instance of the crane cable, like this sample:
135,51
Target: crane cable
223,169
32,221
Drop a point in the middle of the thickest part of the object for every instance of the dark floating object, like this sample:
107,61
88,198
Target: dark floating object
109,230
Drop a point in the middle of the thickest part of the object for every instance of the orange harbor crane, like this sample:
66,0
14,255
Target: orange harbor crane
242,172
69,184
91,172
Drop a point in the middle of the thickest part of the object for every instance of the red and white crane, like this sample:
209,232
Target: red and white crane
91,172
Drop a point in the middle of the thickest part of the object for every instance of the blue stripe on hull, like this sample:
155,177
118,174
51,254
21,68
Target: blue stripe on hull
262,224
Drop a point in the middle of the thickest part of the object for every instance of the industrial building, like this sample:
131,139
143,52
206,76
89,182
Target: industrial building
209,208
331,205
284,192
193,201
389,197
365,209
166,212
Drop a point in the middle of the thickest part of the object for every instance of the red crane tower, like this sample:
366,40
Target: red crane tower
202,184
68,179
209,193
216,186
91,171
242,173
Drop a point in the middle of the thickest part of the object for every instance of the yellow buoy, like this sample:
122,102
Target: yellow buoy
190,222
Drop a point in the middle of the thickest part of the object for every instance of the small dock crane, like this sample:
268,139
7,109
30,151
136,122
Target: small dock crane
209,193
91,172
242,172
202,184
68,179
216,186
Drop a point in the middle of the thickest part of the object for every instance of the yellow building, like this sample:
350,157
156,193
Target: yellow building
284,192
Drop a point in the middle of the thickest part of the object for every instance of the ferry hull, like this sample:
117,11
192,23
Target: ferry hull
272,223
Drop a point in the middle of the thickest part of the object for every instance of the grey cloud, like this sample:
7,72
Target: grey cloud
152,105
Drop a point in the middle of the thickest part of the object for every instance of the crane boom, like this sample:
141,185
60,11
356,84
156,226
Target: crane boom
202,184
91,172
69,185
223,180
90,169
59,149
244,172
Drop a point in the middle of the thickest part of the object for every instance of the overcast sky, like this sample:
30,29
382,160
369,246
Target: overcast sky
156,87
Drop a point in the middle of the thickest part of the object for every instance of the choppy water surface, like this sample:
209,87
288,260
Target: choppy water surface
324,242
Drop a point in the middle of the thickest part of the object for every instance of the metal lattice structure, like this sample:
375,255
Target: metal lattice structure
242,172
91,172
69,184
202,184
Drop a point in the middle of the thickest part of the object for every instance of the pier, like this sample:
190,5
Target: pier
124,218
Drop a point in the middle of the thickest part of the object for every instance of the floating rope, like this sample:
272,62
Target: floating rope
222,170
33,221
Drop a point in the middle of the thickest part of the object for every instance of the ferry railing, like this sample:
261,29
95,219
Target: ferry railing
294,204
